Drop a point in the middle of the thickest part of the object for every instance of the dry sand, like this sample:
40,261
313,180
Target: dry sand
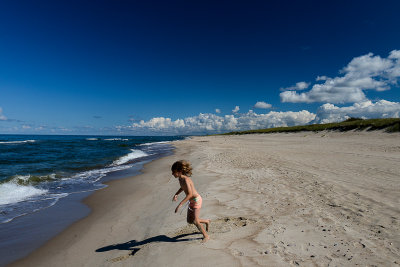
304,199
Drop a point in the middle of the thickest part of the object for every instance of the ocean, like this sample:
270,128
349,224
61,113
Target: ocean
43,178
36,171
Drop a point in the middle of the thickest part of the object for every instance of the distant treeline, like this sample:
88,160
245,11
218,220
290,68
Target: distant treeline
389,125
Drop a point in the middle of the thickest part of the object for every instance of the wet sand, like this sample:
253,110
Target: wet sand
303,199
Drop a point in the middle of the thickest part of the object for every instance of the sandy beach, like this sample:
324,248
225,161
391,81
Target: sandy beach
299,199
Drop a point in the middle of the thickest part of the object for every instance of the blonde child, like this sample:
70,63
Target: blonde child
183,170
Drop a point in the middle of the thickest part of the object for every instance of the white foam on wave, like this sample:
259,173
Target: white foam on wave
133,155
96,175
11,192
155,143
92,139
116,139
17,142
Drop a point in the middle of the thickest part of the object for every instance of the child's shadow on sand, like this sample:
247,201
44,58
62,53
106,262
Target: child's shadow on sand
133,244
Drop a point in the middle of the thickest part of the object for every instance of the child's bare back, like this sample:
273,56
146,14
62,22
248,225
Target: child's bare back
186,184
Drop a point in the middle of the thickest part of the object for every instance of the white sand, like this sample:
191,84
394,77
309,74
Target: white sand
307,199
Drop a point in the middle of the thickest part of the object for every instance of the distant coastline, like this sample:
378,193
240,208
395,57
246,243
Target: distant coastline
389,125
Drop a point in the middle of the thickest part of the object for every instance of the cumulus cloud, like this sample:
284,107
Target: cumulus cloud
367,110
217,110
206,123
262,104
2,117
367,72
161,123
321,78
299,86
236,109
395,71
211,123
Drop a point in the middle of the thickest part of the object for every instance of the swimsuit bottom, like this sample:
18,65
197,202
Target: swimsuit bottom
195,203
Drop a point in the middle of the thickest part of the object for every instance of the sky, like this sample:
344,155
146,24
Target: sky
194,67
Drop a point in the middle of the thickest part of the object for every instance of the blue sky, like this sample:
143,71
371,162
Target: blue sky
164,67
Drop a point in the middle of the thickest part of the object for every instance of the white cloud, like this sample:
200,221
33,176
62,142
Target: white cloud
26,127
211,123
321,78
325,93
217,110
367,72
236,109
395,71
41,128
2,117
299,86
367,110
262,104
161,123
395,54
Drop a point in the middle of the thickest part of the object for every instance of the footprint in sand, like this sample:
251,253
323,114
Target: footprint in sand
218,226
189,233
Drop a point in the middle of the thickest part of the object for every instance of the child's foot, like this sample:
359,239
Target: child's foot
207,224
205,239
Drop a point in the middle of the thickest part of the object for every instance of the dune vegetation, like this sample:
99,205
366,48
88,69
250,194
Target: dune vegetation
388,125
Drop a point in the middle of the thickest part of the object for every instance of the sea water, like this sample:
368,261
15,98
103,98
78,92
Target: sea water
36,171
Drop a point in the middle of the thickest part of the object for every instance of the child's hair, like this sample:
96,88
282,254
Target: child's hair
182,166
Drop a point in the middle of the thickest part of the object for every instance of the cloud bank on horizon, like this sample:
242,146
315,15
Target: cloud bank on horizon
367,72
213,123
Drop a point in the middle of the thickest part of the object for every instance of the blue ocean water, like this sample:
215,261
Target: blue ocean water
36,170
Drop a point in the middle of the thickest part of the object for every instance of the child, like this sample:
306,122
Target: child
182,170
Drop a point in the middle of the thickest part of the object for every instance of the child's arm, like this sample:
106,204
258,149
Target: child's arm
188,196
175,198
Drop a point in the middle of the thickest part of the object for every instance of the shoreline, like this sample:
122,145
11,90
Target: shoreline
102,203
274,200
30,230
28,233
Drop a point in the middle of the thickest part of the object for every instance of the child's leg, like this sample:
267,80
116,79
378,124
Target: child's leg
206,222
190,218
197,221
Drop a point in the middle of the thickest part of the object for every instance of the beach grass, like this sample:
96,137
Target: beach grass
389,125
